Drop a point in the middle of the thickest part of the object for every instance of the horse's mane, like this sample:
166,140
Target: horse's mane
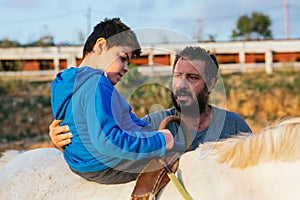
280,142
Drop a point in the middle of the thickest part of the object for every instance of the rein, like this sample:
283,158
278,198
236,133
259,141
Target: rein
184,193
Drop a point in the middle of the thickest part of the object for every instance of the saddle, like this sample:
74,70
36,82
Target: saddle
155,175
153,178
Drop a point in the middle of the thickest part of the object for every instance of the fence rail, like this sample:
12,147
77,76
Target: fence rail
244,55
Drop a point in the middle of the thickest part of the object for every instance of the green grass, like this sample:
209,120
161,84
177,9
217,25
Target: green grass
25,109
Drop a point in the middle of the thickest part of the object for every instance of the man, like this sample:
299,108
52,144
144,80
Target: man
194,77
195,73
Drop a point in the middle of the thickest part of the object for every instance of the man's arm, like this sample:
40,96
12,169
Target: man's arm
58,139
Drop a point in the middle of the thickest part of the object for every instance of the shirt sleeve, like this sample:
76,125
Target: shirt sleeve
242,126
235,124
155,118
105,112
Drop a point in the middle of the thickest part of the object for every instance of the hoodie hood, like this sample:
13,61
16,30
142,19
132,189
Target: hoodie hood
65,84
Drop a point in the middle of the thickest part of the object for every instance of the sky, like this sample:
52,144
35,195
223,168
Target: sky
25,21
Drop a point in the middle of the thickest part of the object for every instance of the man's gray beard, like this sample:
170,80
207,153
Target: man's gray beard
196,108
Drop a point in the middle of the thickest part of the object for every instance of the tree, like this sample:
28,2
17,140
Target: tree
6,43
45,41
261,25
254,27
211,38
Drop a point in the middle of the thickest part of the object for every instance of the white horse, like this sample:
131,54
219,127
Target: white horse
261,166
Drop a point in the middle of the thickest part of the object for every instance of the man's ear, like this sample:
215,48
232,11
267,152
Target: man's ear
100,45
212,84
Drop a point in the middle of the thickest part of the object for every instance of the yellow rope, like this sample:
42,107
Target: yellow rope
179,187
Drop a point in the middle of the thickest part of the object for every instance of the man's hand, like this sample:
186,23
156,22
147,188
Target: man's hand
58,139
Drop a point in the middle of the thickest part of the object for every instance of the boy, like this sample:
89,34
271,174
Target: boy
110,144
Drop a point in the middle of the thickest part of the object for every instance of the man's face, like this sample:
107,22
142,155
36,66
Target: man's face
190,92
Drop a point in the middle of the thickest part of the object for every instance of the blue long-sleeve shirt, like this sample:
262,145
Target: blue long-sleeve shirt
104,129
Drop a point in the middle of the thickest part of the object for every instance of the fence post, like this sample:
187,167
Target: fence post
56,64
242,56
242,59
71,61
269,61
172,58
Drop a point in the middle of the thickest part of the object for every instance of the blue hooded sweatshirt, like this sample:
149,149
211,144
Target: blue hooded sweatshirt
105,131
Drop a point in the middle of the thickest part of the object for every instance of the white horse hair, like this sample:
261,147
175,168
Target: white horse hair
7,156
260,166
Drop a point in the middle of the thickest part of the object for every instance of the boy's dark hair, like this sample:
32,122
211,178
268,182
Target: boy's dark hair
116,33
198,53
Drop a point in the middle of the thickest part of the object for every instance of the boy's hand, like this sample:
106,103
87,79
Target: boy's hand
169,138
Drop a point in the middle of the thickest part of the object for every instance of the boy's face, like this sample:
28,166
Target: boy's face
117,59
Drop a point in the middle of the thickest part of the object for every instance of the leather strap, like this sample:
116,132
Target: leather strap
153,178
